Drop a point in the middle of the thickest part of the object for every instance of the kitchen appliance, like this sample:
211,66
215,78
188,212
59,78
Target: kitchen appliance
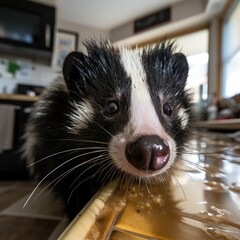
26,25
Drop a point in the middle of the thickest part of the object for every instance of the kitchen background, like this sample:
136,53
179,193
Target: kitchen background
35,36
195,25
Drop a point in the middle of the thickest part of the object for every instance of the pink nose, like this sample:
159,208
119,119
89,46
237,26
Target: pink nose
149,152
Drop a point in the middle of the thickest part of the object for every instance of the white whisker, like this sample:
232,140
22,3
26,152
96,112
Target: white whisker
77,140
84,154
95,163
103,128
102,169
65,151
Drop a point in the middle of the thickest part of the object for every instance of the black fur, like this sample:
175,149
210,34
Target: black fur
167,72
97,77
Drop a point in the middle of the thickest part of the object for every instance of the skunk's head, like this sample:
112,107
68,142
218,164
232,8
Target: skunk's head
132,100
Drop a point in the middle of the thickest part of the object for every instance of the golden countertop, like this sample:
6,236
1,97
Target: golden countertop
200,199
18,97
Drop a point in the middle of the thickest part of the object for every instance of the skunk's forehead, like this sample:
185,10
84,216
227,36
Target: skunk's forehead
153,64
157,68
141,81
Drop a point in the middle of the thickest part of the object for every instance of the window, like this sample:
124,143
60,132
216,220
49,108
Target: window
195,47
231,53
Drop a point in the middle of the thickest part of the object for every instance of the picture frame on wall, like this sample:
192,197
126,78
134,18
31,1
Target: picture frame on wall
65,42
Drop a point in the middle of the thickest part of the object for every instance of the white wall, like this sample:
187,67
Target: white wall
179,12
193,43
84,32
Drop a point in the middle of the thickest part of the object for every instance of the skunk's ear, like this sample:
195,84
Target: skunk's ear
72,70
179,67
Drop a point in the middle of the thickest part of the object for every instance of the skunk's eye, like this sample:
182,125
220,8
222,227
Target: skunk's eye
111,109
167,109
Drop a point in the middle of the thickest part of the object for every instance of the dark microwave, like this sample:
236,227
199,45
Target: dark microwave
27,24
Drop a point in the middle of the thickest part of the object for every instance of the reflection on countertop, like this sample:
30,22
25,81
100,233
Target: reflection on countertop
199,199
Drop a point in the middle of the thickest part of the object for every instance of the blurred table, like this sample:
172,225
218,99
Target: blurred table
226,124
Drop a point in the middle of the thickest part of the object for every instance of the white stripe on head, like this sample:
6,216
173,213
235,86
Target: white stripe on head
143,117
143,113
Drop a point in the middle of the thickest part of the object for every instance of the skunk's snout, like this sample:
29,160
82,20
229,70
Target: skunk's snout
148,152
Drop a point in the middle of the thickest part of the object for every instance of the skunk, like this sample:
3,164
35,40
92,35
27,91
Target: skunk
116,113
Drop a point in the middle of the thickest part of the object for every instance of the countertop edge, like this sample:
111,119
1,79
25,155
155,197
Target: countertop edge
18,97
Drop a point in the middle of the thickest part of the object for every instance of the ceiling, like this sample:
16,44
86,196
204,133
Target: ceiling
108,14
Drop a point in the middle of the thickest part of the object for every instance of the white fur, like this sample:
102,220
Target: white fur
142,110
81,115
183,117
143,120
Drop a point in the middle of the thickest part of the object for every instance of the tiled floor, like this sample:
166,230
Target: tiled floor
41,219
